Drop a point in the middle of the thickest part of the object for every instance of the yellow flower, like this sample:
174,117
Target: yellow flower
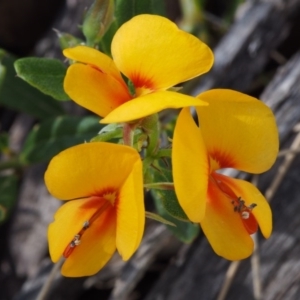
236,131
104,182
149,50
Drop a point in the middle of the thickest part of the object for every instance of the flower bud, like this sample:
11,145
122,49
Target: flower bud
97,20
67,40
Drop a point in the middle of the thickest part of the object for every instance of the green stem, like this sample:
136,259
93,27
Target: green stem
151,126
164,153
128,135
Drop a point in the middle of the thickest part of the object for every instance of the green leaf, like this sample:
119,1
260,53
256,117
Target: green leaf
8,192
47,75
125,10
167,198
184,231
19,95
55,135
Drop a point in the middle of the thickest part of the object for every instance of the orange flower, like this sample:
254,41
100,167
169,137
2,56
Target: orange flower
149,50
104,182
236,131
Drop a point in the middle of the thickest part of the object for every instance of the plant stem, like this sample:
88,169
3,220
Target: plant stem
151,126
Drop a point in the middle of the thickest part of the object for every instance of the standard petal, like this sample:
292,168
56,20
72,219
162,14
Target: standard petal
239,131
89,170
94,90
95,58
150,104
224,228
190,167
130,213
98,244
162,55
250,194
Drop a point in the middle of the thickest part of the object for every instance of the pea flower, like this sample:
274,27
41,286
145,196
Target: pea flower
235,131
149,50
104,182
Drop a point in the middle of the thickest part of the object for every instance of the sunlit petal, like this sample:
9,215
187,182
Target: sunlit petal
98,244
150,104
94,90
190,166
87,169
224,228
239,131
154,53
130,213
250,194
94,58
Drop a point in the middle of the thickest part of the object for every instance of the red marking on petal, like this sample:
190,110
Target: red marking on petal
225,160
142,82
250,223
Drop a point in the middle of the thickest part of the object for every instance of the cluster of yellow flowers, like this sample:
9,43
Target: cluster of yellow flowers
105,180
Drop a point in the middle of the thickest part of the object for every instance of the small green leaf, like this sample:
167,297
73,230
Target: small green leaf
19,95
184,231
47,75
167,198
125,9
8,192
55,135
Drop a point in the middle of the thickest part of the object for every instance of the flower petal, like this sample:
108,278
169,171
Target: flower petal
162,55
88,169
69,220
94,90
224,228
130,213
239,131
95,58
150,104
250,194
97,242
190,166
